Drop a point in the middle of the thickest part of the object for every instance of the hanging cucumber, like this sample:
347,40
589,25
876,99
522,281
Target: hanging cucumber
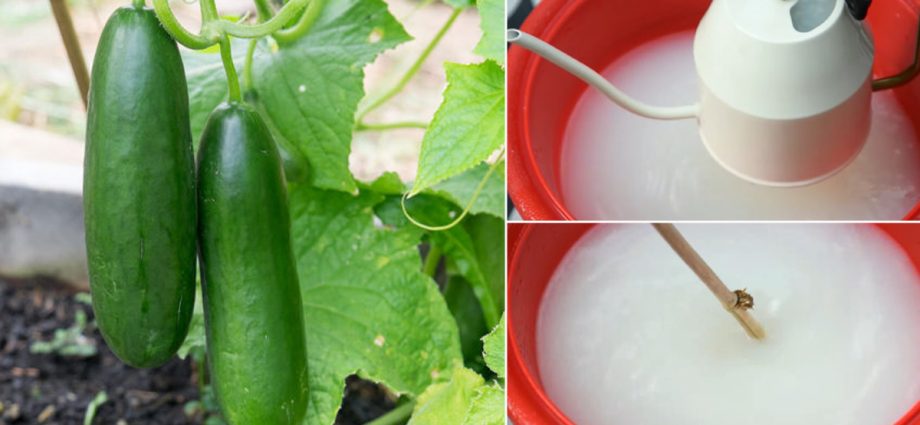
253,312
139,190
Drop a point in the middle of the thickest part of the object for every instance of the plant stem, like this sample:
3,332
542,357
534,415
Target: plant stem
430,267
284,16
399,415
414,68
208,11
233,81
391,126
178,32
247,66
303,25
264,9
139,4
72,45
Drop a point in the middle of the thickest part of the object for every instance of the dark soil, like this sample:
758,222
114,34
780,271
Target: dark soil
56,389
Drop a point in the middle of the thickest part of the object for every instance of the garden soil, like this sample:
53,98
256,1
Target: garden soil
56,389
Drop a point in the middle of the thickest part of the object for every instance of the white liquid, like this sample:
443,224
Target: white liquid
619,166
627,335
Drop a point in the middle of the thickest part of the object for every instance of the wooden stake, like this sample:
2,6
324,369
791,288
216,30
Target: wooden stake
736,302
72,45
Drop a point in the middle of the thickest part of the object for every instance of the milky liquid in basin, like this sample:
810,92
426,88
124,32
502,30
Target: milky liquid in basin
618,166
628,335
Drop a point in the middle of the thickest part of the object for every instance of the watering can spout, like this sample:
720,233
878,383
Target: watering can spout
592,78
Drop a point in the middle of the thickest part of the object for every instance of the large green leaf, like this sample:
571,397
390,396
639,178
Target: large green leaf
488,407
492,23
494,349
447,403
466,399
463,304
311,88
488,233
459,248
368,309
460,189
468,126
207,82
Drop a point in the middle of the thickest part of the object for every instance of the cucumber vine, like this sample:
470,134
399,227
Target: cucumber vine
301,65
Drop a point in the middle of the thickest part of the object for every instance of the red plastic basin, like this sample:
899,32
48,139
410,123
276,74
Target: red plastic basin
534,252
541,97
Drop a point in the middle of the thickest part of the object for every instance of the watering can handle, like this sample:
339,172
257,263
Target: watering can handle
588,75
859,8
905,76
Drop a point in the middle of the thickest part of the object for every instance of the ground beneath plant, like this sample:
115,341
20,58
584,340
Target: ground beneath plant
54,389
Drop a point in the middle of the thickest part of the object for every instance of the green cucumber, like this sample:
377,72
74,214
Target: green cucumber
252,305
139,191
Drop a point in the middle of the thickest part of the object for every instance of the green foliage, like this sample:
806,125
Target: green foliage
469,125
487,407
463,305
447,402
495,349
368,308
100,399
492,44
466,398
194,343
69,342
461,188
311,88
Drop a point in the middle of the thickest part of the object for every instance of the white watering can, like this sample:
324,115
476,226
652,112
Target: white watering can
786,86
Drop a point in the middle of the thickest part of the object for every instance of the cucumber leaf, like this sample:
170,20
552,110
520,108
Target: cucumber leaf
311,88
368,309
494,346
467,399
447,402
492,23
468,126
460,188
460,250
488,407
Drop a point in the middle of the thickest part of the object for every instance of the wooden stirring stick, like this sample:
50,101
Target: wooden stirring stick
737,303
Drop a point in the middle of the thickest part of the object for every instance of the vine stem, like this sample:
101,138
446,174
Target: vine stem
247,66
391,126
213,29
466,209
72,45
431,261
414,69
175,29
264,10
277,22
303,25
233,80
399,415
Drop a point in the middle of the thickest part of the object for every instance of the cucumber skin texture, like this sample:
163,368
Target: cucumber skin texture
253,312
139,191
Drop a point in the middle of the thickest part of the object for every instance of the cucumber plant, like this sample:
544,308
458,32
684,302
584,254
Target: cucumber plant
345,254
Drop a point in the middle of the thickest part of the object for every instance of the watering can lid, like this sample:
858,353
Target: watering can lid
750,54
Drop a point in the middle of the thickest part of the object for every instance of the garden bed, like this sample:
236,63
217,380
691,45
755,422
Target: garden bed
56,389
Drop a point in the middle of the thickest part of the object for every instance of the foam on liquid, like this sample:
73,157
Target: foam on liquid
619,166
628,335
